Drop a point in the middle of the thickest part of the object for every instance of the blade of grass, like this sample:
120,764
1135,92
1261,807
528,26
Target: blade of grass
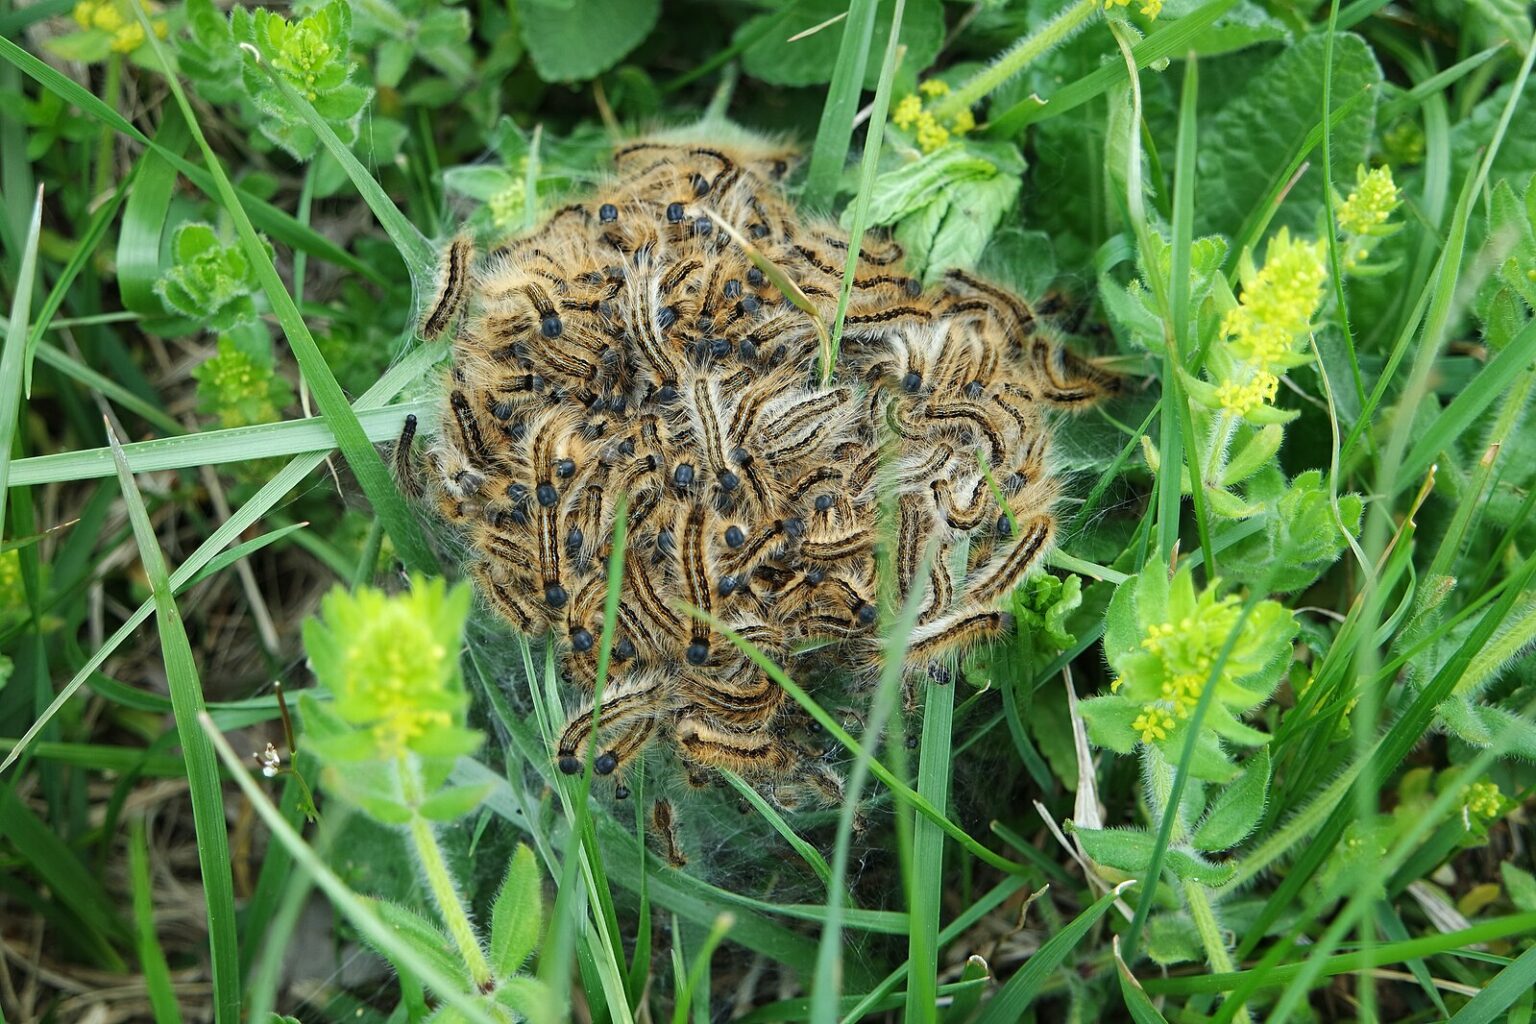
928,855
363,918
144,219
157,974
807,852
835,131
1344,963
202,768
696,973
15,349
1166,43
361,456
216,447
1466,408
868,168
1518,979
273,221
260,504
1019,991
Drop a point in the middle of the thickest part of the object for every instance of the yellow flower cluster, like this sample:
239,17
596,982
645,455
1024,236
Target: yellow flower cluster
911,115
116,18
1153,723
392,659
1149,8
1374,199
1277,307
1484,800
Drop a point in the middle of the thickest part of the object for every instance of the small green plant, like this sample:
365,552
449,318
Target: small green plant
210,282
388,737
312,55
239,384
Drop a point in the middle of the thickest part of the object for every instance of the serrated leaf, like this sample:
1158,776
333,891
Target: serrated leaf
1242,145
517,916
453,803
587,38
809,60
1237,809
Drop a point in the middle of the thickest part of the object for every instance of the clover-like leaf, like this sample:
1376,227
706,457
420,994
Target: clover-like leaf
210,282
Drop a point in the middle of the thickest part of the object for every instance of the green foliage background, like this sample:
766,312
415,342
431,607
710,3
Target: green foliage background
1327,598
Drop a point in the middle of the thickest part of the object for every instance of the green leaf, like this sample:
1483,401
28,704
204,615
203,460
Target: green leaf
1015,997
452,803
425,938
517,916
1109,719
1270,117
1520,885
1237,809
529,997
1300,538
586,38
946,205
810,60
1131,851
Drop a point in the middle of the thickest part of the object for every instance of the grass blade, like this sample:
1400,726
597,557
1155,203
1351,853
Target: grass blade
1020,990
157,974
202,768
928,855
836,129
215,447
15,349
355,447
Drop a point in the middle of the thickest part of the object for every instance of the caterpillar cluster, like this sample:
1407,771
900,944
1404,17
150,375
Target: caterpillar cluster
632,346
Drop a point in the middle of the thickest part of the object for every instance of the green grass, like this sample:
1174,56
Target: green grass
936,892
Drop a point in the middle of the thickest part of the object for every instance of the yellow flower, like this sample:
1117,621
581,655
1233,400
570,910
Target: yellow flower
1152,8
1374,199
1153,723
1484,800
930,134
907,111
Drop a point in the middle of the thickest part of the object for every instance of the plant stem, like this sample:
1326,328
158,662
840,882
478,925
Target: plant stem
444,891
1204,916
1023,53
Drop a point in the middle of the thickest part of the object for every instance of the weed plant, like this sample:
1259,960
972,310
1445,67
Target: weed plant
1260,744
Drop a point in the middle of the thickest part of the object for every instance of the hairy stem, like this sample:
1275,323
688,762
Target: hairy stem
1204,916
1015,59
444,890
